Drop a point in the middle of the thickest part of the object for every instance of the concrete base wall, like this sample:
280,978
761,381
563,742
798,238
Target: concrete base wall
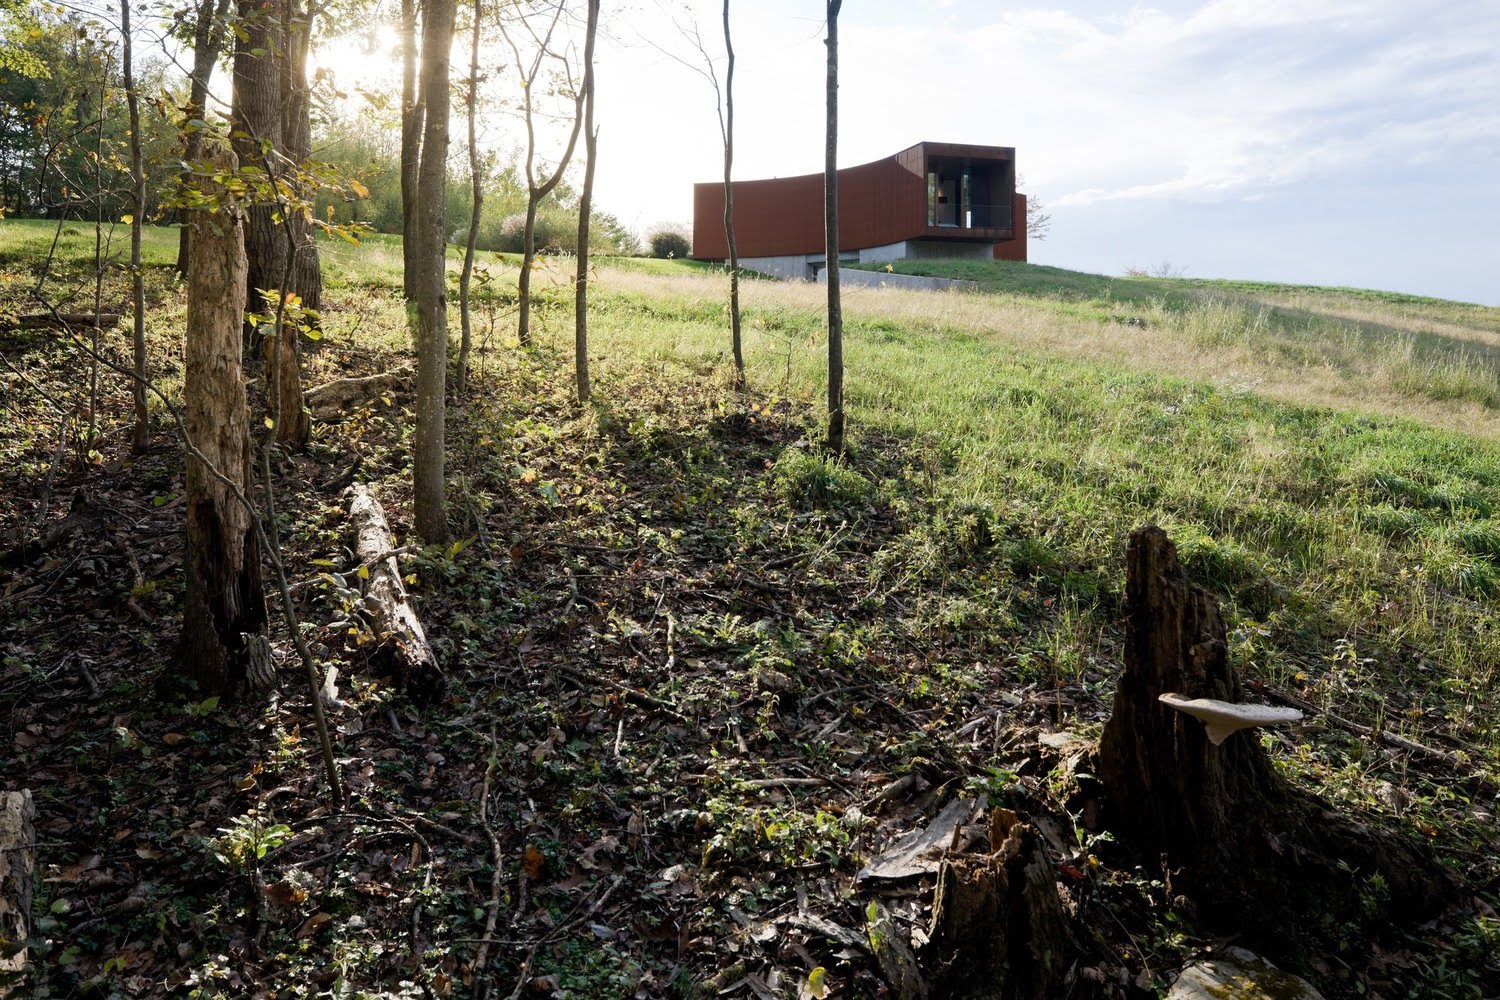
809,266
886,279
940,250
792,267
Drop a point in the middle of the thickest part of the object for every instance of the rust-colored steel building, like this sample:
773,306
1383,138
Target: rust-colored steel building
935,199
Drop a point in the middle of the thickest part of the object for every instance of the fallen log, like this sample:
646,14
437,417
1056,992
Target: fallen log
341,393
54,321
17,870
82,515
1254,854
401,647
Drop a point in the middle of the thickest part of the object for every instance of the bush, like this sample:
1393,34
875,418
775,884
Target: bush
670,241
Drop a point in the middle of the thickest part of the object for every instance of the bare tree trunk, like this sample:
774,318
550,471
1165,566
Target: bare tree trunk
536,190
141,433
429,306
476,205
255,119
411,145
585,206
307,274
224,618
831,227
734,253
208,43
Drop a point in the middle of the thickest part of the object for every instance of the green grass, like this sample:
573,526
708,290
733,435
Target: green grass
1328,461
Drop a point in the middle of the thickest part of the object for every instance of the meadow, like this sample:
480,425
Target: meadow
1327,461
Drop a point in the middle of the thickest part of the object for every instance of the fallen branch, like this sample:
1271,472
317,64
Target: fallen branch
1382,736
60,321
401,644
344,392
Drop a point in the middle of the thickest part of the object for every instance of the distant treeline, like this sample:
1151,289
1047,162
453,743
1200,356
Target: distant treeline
64,151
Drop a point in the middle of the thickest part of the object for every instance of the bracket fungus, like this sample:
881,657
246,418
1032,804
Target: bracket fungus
1221,718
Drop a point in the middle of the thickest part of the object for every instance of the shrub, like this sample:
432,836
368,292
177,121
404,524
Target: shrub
670,241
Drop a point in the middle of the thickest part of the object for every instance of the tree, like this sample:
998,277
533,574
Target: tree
224,617
427,309
585,203
831,228
140,435
476,204
272,134
1038,219
411,144
210,30
538,187
306,273
726,130
724,108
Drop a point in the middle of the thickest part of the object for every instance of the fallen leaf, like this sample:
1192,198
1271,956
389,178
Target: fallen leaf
313,924
532,860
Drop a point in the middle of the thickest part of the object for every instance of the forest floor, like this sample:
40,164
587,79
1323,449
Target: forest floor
698,673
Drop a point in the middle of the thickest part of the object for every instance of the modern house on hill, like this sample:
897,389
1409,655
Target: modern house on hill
935,199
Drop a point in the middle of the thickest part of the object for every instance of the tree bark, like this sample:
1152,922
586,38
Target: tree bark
208,43
476,205
401,648
141,432
1253,853
428,312
998,929
306,274
224,618
831,229
17,872
256,125
269,118
585,206
734,253
411,146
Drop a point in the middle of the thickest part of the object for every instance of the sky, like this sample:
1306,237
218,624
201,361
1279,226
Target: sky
1334,142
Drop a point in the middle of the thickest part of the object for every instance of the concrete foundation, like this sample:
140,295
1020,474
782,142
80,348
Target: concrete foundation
886,279
808,266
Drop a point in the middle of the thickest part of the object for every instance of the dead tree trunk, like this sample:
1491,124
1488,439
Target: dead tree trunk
208,42
17,870
998,928
224,619
1253,853
401,649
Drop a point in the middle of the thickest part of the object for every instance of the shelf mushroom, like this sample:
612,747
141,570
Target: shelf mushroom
1221,718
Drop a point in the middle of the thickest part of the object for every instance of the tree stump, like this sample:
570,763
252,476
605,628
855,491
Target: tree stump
998,928
17,868
224,647
1253,853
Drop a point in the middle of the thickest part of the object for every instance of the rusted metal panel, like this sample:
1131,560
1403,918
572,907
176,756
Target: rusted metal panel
880,203
1015,249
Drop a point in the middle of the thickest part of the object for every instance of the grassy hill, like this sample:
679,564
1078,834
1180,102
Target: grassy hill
670,601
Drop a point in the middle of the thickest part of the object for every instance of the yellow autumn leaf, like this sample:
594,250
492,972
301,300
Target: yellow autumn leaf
816,982
359,189
127,219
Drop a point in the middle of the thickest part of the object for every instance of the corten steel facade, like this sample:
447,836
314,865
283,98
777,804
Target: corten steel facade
933,199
